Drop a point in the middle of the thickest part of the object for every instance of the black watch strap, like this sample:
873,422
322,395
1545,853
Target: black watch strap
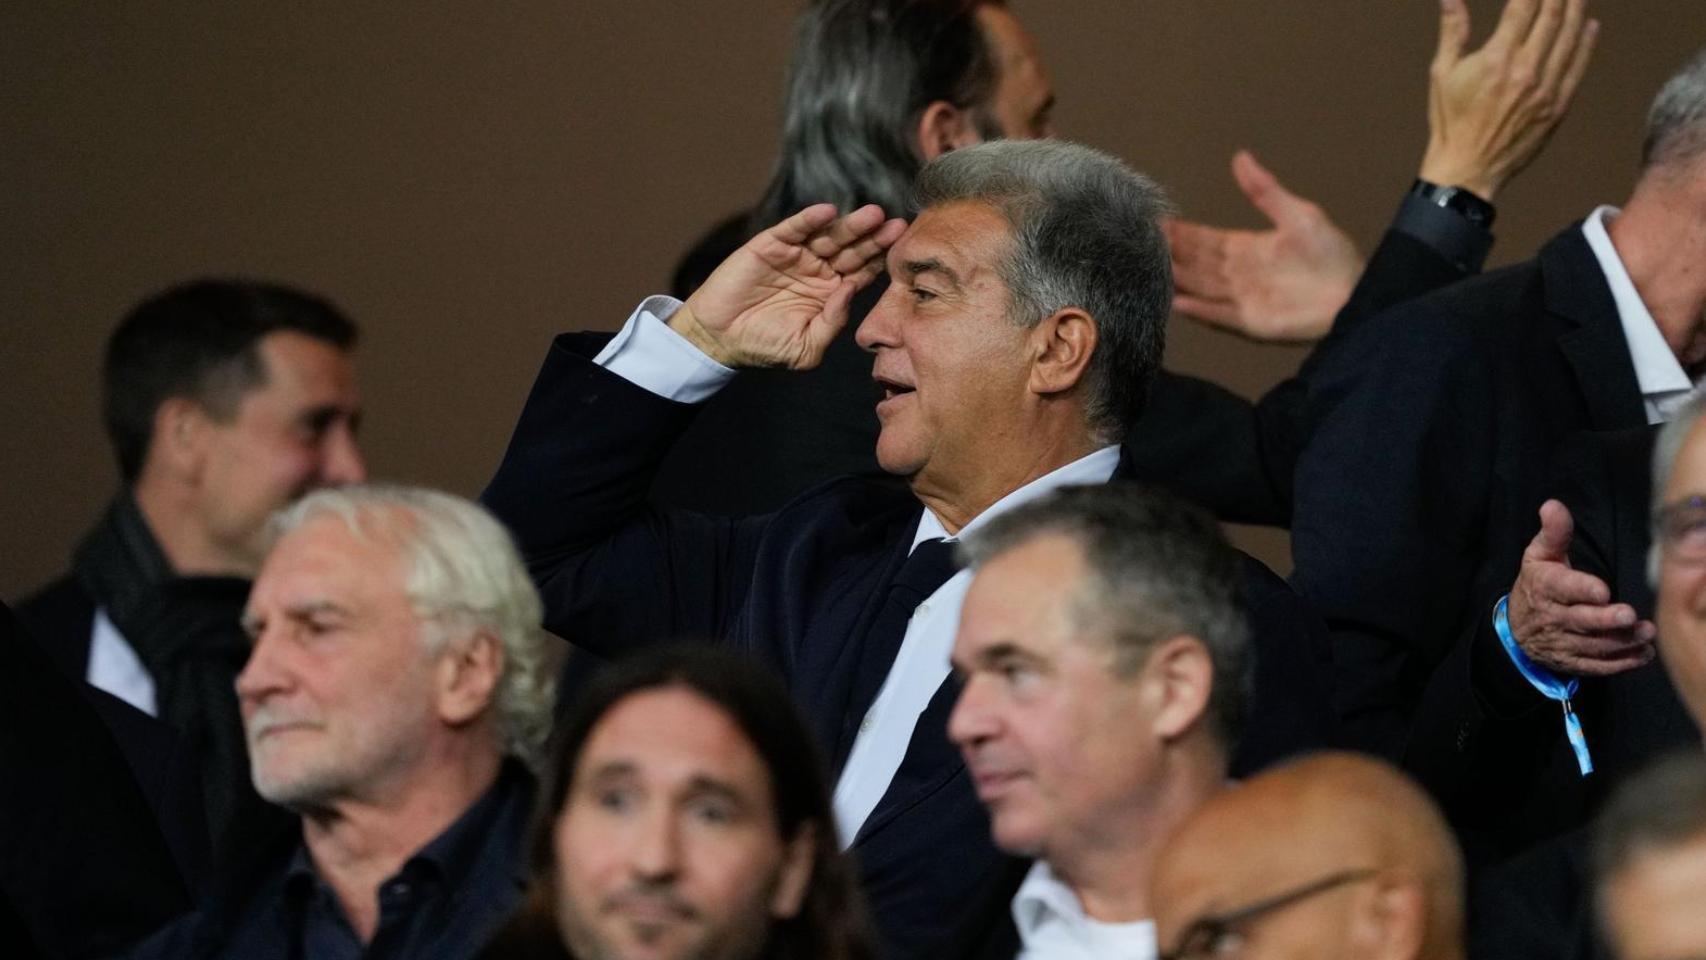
1461,201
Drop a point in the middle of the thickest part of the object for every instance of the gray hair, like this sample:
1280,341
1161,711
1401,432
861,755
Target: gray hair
1158,568
1676,122
1086,234
1665,451
1661,807
863,73
464,574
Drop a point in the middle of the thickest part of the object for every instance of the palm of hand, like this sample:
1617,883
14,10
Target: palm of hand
770,304
1290,281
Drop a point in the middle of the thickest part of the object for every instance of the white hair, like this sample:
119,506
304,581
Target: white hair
464,574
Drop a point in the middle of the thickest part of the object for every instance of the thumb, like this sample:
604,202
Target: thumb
1553,541
1453,32
1263,189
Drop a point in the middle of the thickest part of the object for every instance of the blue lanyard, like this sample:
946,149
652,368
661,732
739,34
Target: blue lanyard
1543,680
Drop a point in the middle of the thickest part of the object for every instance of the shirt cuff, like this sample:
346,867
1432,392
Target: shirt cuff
648,354
1448,232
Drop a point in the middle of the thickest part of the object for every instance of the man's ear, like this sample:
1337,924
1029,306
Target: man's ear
1181,676
468,673
1061,346
795,877
1390,921
179,444
943,127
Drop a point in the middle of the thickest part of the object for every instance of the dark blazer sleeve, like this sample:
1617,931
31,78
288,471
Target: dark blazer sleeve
572,488
1391,503
1236,457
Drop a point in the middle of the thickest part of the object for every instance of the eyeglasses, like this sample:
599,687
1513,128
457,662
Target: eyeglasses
1680,528
1221,936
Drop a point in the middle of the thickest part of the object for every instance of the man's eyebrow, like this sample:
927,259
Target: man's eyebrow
702,785
912,268
1004,652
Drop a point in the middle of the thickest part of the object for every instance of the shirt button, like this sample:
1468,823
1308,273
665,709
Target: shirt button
869,721
923,610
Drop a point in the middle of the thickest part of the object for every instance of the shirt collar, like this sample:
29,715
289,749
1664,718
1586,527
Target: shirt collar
1095,468
1656,368
451,856
1043,900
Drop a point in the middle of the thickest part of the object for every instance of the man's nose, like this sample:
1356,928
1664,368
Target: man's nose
342,461
657,848
879,328
971,720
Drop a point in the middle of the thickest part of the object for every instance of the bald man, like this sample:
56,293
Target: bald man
1333,857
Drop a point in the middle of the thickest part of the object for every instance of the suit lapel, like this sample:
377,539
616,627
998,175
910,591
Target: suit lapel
1593,340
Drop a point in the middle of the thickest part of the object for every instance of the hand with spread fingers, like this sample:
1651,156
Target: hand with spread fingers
781,298
1281,285
1490,112
1563,619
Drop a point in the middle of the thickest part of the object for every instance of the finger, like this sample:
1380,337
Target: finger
823,328
1591,618
1548,21
1514,22
1199,259
868,247
1605,667
846,231
1453,33
1552,543
1556,585
1265,191
1217,313
1578,66
875,267
799,228
1562,50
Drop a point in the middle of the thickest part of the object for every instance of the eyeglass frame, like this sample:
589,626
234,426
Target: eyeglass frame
1207,930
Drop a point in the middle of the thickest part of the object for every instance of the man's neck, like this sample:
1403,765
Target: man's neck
1661,239
1109,870
958,500
357,845
189,550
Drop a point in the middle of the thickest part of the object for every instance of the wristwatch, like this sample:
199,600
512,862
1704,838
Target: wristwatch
1466,204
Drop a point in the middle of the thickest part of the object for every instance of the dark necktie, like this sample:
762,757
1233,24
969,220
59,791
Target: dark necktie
930,565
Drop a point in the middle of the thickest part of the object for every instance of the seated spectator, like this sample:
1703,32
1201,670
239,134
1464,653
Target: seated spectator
224,400
1334,856
1428,461
688,818
1650,863
1104,660
1013,346
1540,904
394,699
877,89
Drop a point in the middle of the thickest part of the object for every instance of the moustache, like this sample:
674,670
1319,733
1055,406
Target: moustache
265,719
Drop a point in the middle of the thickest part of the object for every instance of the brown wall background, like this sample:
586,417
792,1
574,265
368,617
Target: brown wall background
466,179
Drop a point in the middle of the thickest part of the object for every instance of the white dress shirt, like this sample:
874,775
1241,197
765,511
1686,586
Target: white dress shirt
1053,925
1664,384
115,667
649,354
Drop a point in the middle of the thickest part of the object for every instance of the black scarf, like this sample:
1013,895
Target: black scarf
188,633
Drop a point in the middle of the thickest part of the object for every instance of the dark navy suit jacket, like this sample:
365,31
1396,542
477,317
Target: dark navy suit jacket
796,590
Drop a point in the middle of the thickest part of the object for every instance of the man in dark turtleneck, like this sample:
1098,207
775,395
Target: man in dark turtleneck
224,400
